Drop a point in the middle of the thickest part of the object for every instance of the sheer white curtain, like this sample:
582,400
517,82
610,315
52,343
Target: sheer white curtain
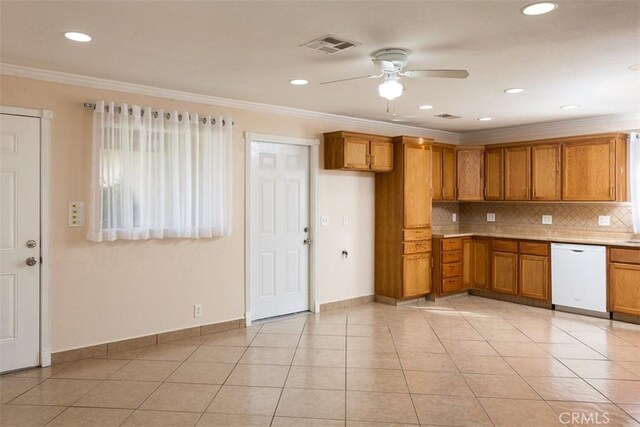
634,172
158,174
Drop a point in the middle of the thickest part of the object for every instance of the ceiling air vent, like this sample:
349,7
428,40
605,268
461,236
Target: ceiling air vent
330,44
447,116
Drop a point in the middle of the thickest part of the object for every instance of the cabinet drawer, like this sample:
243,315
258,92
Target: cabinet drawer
417,234
451,256
451,244
416,247
451,270
451,284
503,245
534,248
627,256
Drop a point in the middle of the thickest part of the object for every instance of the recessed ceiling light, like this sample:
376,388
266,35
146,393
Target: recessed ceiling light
78,37
514,90
569,107
484,119
635,67
299,82
425,107
539,8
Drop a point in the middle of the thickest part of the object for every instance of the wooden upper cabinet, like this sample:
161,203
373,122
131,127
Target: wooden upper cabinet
449,173
470,173
589,169
517,173
358,152
381,156
545,172
436,172
417,185
494,174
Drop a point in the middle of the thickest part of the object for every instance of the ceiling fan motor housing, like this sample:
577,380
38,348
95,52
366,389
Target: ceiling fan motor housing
396,56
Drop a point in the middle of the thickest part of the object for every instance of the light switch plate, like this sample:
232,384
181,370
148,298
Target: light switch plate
76,214
324,220
604,220
547,219
454,217
345,220
491,217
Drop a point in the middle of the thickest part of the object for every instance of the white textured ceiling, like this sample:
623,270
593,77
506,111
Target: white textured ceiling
578,54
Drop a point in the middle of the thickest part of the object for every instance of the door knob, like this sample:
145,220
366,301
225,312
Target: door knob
31,244
31,261
307,241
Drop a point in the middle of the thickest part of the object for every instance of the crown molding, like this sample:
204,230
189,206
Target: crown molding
106,84
598,124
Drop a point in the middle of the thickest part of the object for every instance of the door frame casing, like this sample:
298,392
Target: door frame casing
45,117
314,156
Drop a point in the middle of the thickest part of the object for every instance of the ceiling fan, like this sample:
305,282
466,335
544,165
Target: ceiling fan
391,62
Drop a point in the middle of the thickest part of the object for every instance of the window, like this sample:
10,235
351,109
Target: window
159,174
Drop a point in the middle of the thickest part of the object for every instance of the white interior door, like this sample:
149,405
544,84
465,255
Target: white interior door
19,242
279,255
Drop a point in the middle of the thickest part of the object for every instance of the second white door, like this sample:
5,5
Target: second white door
279,229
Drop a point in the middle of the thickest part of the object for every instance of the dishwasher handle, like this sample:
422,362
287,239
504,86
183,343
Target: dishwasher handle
578,251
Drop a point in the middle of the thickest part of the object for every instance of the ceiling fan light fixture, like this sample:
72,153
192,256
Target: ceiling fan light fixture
539,8
425,107
390,89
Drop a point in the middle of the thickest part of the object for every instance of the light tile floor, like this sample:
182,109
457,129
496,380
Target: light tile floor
463,361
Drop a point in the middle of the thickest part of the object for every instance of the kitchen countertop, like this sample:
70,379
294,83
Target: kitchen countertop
549,238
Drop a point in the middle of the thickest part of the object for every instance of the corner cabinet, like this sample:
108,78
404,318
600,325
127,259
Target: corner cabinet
357,152
403,222
470,173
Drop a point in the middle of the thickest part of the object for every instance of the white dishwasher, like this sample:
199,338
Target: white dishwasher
579,277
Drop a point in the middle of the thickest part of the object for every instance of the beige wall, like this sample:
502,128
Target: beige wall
104,292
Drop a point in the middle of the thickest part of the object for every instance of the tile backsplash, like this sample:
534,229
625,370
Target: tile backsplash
566,216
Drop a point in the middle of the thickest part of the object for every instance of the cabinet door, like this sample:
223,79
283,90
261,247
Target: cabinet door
356,153
504,272
381,156
436,173
493,174
545,172
470,173
588,170
533,276
417,185
467,263
416,274
624,285
517,173
481,264
448,174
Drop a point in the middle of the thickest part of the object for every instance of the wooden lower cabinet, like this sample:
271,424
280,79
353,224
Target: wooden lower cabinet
624,281
504,269
416,274
533,276
481,263
467,263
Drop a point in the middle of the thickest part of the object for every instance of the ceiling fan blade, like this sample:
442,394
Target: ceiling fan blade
450,74
352,78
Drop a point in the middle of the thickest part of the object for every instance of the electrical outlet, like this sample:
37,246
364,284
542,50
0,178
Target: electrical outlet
197,310
76,214
491,217
324,220
547,219
454,217
345,220
604,220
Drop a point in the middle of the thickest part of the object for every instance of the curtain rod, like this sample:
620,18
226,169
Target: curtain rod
155,113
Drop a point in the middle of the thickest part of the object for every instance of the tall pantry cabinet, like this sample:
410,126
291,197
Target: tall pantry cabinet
403,222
